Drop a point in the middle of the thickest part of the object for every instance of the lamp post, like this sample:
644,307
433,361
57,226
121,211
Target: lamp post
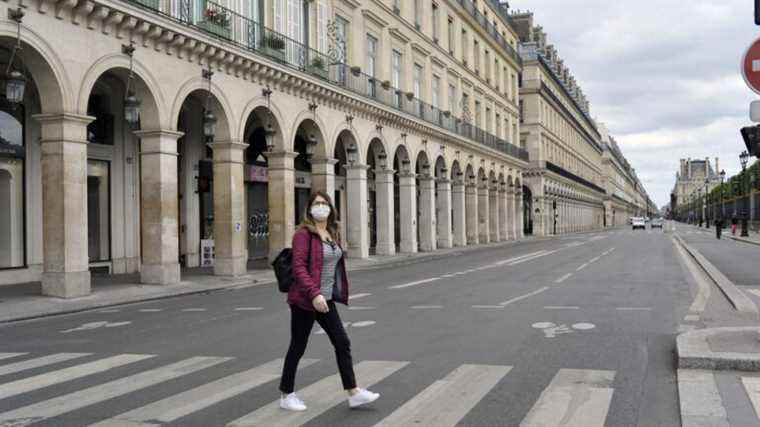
722,178
704,206
698,206
743,158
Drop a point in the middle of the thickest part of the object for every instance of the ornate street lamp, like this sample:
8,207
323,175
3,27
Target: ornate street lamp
722,178
352,153
706,204
209,119
15,82
269,131
406,166
744,158
382,160
131,102
311,145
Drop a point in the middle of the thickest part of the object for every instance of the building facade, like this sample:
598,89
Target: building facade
625,196
564,180
695,178
153,133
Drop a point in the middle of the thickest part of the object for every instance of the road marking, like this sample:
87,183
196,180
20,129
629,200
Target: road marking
575,397
359,308
699,398
752,387
25,385
113,310
561,307
426,307
633,308
193,309
532,258
488,306
584,265
593,260
363,323
248,308
691,318
583,326
410,284
39,362
175,407
96,325
150,310
522,297
685,328
100,393
320,396
563,278
11,355
518,258
447,401
357,296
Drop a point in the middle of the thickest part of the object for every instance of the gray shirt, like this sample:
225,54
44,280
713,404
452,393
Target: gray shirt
330,257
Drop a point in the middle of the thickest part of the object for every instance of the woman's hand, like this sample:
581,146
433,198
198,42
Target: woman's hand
320,304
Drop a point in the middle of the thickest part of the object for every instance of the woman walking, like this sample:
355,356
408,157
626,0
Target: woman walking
320,280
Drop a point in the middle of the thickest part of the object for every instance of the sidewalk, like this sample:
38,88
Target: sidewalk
25,301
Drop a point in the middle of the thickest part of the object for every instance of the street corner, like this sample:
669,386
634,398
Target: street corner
725,348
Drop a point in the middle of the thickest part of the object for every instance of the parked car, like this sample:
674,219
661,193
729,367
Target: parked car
656,223
638,222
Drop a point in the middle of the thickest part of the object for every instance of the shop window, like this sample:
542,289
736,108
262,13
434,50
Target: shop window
12,187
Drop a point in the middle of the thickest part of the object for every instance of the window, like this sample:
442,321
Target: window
452,98
436,87
322,18
487,64
12,153
488,120
522,119
342,46
417,13
279,16
451,35
397,6
476,56
466,108
371,64
464,47
506,130
417,78
505,84
497,131
477,114
396,76
497,74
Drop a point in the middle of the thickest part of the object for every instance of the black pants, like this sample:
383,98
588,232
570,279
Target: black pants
301,322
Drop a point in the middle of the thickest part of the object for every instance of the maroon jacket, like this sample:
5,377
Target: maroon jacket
307,272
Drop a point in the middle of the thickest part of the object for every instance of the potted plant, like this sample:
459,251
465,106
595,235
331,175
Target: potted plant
386,84
447,113
356,70
216,21
273,45
318,67
410,95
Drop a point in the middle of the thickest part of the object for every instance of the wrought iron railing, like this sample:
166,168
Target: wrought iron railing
469,6
246,33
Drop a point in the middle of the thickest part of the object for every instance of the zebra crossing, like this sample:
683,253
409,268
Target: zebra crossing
574,396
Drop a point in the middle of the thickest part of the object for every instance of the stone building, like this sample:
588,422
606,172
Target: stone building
693,178
625,196
151,130
564,181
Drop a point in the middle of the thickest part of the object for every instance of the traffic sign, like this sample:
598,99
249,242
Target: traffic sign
751,66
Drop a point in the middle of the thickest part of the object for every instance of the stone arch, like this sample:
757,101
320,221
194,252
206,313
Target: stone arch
144,85
46,69
401,155
314,125
375,147
456,171
266,112
218,104
469,174
422,163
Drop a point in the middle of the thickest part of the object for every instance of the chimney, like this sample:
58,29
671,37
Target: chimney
707,167
688,165
717,167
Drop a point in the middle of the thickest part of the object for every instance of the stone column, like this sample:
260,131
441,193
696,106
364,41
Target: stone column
460,221
358,211
503,214
282,211
63,143
493,218
323,175
519,214
230,227
427,214
443,206
484,211
511,214
408,212
386,231
159,205
471,196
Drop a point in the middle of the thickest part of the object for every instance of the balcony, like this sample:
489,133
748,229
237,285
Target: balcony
243,32
490,29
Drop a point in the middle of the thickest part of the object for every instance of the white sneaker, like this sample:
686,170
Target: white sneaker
291,402
362,398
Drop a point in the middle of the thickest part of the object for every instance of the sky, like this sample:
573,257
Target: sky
663,75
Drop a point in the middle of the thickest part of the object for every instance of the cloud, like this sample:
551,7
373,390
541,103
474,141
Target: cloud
663,75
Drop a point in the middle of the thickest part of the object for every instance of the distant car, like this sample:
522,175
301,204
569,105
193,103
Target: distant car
656,223
637,222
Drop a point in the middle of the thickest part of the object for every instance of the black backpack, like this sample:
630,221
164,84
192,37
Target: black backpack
283,268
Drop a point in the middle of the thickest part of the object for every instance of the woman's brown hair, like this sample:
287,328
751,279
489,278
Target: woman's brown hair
332,223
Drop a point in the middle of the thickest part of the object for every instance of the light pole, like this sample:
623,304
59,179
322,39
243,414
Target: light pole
698,206
706,212
722,178
743,158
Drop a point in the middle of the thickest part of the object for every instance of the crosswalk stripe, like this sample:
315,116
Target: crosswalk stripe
447,401
10,355
320,397
100,393
752,387
56,377
188,402
39,362
574,398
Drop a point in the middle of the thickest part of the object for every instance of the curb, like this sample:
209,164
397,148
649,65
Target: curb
741,302
694,352
743,240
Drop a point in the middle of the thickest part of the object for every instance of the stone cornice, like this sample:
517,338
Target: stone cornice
368,14
437,61
353,4
420,49
398,35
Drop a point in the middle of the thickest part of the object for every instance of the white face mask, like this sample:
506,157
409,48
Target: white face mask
320,212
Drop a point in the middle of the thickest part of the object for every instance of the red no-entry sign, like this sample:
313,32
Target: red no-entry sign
751,66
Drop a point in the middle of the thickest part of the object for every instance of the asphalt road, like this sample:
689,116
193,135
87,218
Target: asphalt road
578,329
